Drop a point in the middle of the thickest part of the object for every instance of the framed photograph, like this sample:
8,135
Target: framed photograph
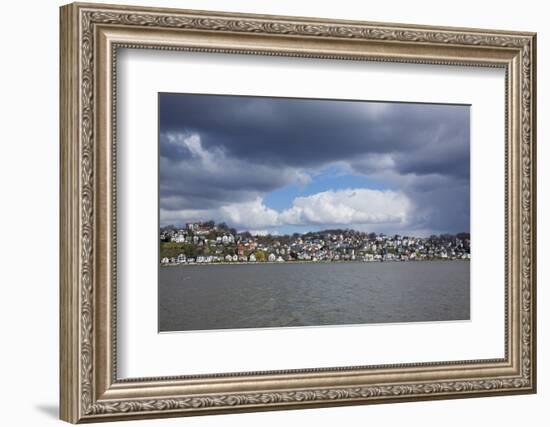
265,212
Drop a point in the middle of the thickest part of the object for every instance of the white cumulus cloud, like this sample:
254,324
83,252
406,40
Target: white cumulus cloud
351,206
253,214
348,207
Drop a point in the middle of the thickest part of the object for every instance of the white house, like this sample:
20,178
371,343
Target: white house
252,258
228,258
280,259
164,260
368,257
235,258
272,258
181,258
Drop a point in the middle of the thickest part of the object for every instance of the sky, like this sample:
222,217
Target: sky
285,165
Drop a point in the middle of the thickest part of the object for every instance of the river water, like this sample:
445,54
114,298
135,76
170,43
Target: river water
206,297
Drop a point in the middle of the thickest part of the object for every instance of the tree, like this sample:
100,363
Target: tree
260,256
228,251
190,251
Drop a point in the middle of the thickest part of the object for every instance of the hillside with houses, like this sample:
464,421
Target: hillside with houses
210,243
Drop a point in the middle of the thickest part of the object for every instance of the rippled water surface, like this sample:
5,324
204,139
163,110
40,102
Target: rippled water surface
277,295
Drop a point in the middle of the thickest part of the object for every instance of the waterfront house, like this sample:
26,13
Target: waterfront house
252,258
181,258
228,258
240,250
179,238
165,260
272,258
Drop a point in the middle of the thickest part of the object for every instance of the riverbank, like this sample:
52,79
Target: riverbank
190,264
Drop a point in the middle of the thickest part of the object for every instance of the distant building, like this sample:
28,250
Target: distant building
272,258
178,238
240,250
252,258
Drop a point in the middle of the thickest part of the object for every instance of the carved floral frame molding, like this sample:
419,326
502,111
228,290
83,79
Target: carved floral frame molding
90,36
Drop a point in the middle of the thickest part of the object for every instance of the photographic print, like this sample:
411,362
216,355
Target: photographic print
290,212
312,202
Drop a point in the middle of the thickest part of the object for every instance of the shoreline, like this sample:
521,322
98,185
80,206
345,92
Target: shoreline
195,264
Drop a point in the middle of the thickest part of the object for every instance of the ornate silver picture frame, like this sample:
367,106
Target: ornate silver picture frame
91,35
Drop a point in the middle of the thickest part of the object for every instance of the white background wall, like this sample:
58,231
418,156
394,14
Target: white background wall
29,170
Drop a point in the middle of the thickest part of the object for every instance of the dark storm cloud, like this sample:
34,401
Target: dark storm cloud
245,147
193,176
308,132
